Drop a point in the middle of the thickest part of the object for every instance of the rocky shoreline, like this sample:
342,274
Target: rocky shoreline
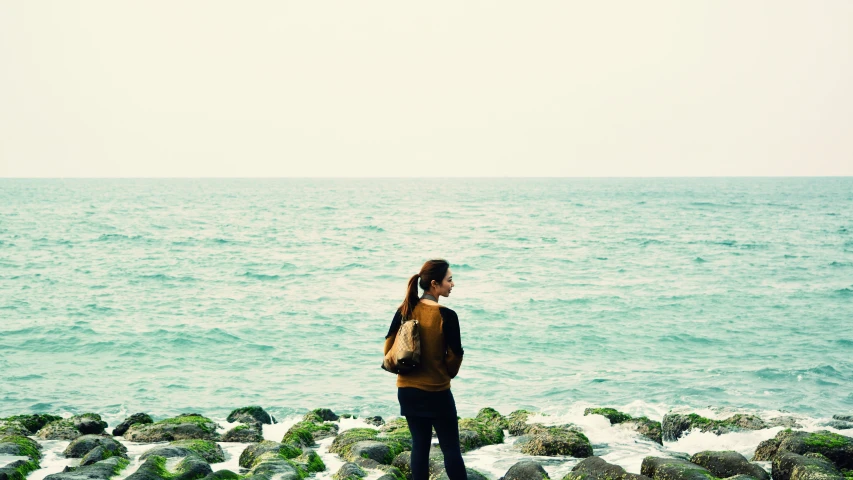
185,446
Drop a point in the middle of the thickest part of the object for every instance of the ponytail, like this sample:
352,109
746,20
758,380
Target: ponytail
434,269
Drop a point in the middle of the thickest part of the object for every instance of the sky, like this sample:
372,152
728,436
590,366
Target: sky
381,88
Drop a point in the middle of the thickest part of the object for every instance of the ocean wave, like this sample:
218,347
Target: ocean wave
115,237
162,277
260,276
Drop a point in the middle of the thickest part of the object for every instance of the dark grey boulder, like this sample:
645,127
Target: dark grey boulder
371,449
80,446
526,470
555,441
595,468
211,452
660,468
675,424
250,455
837,448
729,463
321,415
271,464
33,423
349,471
223,475
812,466
183,427
73,427
141,418
843,418
839,424
250,415
243,434
97,471
375,421
99,453
189,468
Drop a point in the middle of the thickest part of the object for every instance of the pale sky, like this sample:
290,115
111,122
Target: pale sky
384,88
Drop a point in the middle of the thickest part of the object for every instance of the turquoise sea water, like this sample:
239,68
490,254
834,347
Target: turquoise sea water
168,296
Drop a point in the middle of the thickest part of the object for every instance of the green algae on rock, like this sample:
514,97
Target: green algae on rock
728,463
34,422
595,468
249,415
102,470
555,440
73,427
837,448
306,432
659,468
397,442
122,427
250,454
646,427
182,427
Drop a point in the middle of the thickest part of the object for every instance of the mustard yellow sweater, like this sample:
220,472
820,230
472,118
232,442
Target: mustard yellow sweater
441,347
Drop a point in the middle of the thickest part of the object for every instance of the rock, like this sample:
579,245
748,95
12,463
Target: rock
20,445
13,428
837,448
556,440
843,418
371,449
487,428
309,462
243,434
272,465
675,424
250,455
395,426
250,415
97,471
839,425
33,423
595,468
660,468
611,414
397,441
223,475
142,418
73,427
728,463
189,468
517,422
321,415
375,421
650,429
791,466
472,475
191,426
80,446
211,452
17,470
349,471
306,433
526,470
784,421
403,462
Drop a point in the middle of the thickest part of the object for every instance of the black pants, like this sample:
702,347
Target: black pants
447,429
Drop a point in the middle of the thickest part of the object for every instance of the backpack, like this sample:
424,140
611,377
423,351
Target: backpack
405,355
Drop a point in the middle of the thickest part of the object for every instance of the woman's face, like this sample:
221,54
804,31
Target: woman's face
446,284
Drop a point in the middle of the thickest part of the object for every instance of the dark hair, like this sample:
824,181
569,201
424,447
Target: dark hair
434,269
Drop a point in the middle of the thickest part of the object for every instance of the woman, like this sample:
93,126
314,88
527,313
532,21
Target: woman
424,393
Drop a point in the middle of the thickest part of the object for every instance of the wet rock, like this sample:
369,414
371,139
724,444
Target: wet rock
80,446
243,434
375,421
377,451
307,433
728,463
555,440
812,466
97,471
526,470
843,418
321,415
517,422
33,423
615,416
349,471
659,468
223,475
397,441
211,452
13,428
837,448
141,418
249,415
272,465
73,427
675,424
595,468
190,426
250,455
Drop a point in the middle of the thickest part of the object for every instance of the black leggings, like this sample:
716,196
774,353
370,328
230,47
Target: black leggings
447,430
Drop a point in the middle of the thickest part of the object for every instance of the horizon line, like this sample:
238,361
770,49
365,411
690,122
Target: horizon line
415,177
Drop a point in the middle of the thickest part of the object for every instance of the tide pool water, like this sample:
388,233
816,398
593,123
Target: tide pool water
648,295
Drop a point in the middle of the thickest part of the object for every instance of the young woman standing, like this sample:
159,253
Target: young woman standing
424,393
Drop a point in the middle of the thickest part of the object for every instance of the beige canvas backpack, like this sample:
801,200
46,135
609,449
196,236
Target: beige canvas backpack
405,355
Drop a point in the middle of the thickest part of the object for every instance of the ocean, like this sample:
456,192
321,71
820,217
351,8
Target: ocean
649,295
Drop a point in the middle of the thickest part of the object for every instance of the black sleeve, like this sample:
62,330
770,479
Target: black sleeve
451,331
395,323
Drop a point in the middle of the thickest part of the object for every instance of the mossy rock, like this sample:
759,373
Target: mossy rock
491,416
73,427
250,415
250,455
648,428
320,415
611,414
397,425
480,431
659,468
191,467
80,446
33,423
526,470
728,463
308,462
349,471
13,428
376,421
271,464
307,433
812,466
556,440
675,424
595,468
397,442
141,418
517,422
210,451
223,475
191,426
97,471
837,448
20,445
243,434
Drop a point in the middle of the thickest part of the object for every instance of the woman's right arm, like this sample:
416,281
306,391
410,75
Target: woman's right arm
392,331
